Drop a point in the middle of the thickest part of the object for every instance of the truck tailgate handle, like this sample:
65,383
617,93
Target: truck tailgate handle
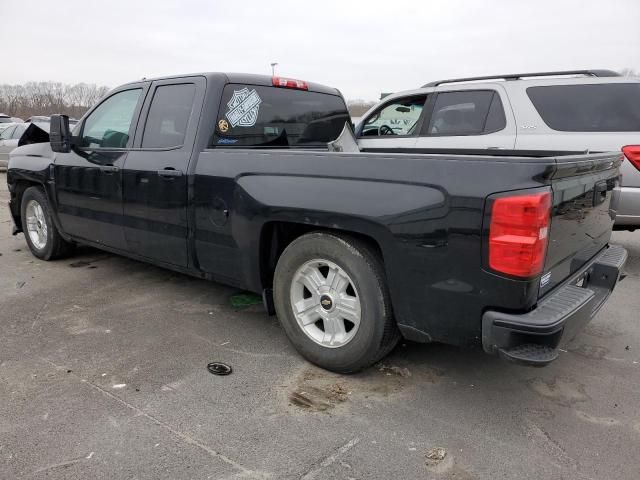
170,173
109,169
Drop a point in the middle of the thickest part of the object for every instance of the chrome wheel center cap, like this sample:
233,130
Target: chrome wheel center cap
327,303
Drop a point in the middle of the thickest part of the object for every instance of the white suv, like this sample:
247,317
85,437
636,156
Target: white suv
596,110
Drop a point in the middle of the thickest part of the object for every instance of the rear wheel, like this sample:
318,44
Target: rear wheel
41,234
332,300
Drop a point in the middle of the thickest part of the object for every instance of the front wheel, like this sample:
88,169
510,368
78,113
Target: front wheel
331,298
43,238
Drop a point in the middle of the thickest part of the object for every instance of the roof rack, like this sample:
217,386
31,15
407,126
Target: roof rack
519,76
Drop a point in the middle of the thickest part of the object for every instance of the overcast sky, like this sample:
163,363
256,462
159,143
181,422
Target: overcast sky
361,47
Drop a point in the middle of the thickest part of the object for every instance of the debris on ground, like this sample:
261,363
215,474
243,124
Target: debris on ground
435,456
393,370
339,392
319,399
244,299
20,284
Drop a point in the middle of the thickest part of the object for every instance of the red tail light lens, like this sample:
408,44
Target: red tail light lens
290,83
632,152
518,234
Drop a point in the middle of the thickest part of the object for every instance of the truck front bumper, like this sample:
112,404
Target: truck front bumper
534,338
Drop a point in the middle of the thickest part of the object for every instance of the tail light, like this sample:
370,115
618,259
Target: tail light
632,152
518,234
289,83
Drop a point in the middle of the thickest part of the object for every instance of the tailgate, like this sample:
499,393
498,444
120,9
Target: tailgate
583,213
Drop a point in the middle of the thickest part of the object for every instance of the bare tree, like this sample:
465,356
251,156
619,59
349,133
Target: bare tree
45,98
629,72
358,107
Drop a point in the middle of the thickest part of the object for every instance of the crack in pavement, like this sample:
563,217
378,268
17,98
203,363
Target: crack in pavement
247,473
331,459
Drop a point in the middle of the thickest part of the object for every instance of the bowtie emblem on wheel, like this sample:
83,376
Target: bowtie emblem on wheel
243,108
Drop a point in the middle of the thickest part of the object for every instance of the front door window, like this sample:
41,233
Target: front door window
109,125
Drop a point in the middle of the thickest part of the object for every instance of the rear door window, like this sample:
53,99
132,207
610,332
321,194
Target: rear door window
471,112
400,117
259,116
609,107
168,116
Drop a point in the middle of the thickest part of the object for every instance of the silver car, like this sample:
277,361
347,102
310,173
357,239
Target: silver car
10,133
596,110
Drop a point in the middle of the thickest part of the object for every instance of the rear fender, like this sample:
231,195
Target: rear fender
392,214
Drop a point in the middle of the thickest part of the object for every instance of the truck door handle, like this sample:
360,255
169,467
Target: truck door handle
170,173
109,169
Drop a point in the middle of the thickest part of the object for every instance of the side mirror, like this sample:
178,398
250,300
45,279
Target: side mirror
59,134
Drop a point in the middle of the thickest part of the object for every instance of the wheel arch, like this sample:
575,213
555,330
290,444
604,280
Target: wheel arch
17,189
277,235
17,186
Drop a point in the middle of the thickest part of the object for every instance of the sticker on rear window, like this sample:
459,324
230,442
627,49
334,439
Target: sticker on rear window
243,108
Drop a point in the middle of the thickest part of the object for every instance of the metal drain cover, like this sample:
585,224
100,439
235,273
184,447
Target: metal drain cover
219,368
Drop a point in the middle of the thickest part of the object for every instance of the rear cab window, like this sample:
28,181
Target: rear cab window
469,112
607,107
261,116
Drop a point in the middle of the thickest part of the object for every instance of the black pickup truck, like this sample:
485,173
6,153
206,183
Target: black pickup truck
228,177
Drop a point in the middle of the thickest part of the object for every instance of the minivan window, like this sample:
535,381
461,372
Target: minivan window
471,112
259,116
108,125
606,107
400,117
168,116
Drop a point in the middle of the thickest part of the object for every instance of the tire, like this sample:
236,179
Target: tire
321,320
45,242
